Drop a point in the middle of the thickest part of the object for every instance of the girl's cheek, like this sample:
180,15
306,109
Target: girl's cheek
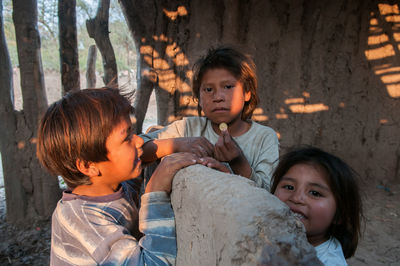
279,194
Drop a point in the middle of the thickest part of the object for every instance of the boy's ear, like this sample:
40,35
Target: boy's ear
87,168
247,96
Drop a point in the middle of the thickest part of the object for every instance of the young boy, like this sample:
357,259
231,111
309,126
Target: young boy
87,138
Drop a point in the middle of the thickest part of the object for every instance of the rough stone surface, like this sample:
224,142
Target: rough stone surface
224,219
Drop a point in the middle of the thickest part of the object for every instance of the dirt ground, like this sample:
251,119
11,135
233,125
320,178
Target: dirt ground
380,244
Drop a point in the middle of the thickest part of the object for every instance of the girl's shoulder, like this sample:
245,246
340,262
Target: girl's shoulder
330,252
258,129
259,126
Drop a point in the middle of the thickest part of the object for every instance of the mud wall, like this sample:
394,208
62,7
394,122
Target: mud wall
329,73
223,219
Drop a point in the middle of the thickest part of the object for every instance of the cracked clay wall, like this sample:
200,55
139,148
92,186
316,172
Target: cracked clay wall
224,219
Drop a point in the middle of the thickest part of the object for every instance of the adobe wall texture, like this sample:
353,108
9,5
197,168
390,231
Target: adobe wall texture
224,219
328,71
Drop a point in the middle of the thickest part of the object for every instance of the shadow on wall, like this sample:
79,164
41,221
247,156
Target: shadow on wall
164,72
172,73
384,46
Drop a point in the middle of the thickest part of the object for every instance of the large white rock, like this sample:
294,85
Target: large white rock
224,219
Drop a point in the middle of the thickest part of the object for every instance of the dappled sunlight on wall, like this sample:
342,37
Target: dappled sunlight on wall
384,46
258,115
300,105
180,11
308,108
169,66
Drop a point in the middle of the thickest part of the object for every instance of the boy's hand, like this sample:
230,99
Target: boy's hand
226,149
212,163
161,180
197,145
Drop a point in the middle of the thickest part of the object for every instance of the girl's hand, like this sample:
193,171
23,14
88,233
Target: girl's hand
161,180
197,145
212,163
226,149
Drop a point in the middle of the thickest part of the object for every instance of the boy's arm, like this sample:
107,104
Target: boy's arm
95,233
156,149
157,223
159,148
160,143
156,247
156,217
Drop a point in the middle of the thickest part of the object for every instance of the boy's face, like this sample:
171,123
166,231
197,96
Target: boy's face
124,151
222,96
304,188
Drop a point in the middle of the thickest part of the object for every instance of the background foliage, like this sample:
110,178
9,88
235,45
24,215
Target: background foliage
124,47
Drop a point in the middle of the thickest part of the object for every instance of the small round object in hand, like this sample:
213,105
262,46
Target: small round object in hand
223,126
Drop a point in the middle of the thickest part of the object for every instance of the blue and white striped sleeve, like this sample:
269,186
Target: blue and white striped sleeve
157,223
157,246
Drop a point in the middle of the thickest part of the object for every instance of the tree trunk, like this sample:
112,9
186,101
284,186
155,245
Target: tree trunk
91,67
69,58
321,65
8,127
162,64
30,192
98,30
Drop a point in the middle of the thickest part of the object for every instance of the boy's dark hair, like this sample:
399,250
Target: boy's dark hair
77,127
240,65
342,182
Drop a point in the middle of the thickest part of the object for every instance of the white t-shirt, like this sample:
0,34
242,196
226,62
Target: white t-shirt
330,253
259,144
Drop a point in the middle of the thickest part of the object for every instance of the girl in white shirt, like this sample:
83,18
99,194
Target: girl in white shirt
321,190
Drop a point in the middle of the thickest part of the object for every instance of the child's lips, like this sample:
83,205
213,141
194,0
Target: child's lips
220,109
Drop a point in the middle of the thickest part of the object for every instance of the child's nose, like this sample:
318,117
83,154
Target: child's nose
219,95
297,197
138,142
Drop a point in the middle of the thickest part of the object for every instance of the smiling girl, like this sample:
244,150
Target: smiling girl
225,87
321,190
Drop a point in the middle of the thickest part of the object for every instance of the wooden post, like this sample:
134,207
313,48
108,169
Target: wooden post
91,67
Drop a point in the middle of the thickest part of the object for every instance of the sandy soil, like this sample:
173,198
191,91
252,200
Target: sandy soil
380,244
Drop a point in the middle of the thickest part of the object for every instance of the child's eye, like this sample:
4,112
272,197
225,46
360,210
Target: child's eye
315,193
288,187
229,86
208,89
130,134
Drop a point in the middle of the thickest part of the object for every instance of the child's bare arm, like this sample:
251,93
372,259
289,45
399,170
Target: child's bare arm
161,180
226,150
158,148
